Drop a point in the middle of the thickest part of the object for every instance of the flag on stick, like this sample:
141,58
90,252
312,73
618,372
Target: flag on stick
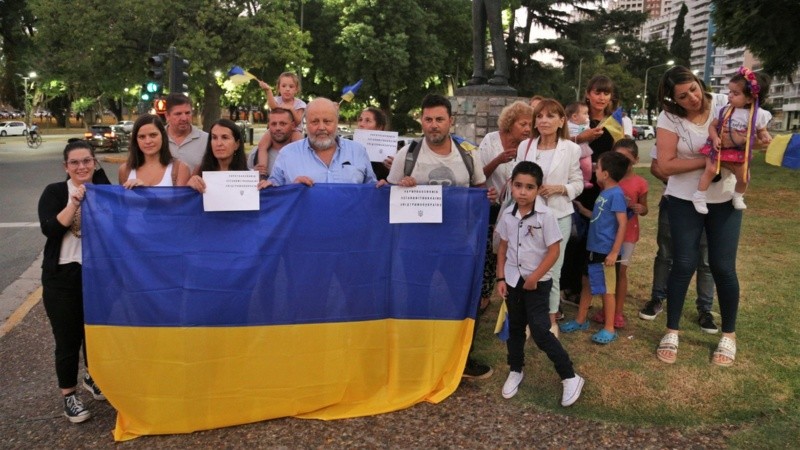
784,151
613,124
349,92
602,279
239,76
501,327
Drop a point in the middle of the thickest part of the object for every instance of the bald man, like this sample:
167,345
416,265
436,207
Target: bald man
322,157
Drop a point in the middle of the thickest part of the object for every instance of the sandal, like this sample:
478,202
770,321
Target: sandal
619,321
604,337
725,349
572,325
599,316
668,348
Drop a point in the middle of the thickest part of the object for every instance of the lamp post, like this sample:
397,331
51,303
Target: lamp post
31,75
644,94
578,89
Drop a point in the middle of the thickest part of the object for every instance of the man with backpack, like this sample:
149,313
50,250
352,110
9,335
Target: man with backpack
440,159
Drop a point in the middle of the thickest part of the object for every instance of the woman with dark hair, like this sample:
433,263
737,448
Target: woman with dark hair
374,119
601,98
62,294
225,151
150,162
682,131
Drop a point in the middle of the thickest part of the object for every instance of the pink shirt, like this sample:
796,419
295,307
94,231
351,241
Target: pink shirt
633,187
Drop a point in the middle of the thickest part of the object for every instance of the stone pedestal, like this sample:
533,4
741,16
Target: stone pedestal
477,108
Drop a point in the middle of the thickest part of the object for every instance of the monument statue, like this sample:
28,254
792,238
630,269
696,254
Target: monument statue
487,12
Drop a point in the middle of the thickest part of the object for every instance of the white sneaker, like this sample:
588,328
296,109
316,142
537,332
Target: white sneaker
512,383
572,390
738,202
699,201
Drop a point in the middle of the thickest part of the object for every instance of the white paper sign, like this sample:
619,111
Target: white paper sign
235,190
379,144
420,204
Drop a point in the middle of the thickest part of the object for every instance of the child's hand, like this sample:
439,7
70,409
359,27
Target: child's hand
589,134
764,137
263,85
637,208
502,289
530,284
611,259
716,143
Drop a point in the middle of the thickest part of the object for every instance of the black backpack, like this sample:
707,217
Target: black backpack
413,154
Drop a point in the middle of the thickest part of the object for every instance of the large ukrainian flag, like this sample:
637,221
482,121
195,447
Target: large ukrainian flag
313,307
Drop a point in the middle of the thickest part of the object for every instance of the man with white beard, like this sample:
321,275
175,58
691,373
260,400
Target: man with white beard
322,157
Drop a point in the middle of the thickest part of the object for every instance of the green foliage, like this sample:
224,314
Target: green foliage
396,46
768,29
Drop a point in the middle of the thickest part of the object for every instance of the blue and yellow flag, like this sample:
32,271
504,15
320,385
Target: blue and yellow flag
349,92
613,124
784,151
501,327
238,76
313,307
602,279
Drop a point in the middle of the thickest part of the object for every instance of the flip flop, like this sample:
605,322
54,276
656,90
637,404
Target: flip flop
604,337
669,345
726,349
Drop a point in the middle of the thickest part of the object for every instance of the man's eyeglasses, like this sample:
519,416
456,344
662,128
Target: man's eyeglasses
75,163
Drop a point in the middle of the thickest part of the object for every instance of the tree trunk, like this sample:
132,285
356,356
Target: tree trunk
211,107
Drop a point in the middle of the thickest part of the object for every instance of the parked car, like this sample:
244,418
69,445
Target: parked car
104,137
644,132
127,125
123,135
13,128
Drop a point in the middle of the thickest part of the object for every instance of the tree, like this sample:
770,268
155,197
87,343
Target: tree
16,26
99,48
767,29
400,48
681,46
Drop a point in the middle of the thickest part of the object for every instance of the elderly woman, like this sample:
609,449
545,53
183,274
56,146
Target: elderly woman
551,148
682,131
62,294
225,151
497,153
150,162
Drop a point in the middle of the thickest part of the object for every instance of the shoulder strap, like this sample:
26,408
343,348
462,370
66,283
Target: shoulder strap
530,141
467,160
411,157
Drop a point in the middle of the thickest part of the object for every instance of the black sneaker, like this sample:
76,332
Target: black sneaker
89,385
706,321
476,370
651,309
74,409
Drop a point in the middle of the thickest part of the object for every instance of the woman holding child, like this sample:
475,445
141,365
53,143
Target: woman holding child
551,148
682,131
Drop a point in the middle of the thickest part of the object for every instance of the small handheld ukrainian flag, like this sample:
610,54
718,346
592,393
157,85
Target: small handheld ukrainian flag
613,124
349,92
602,279
784,151
501,327
239,76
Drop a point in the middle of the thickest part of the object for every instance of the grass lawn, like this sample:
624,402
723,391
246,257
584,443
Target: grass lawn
627,384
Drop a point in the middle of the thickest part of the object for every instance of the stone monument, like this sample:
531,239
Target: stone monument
477,105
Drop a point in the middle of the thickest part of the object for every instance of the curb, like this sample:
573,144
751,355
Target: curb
16,317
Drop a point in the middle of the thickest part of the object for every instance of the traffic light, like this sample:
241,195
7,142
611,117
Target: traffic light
179,78
156,72
146,95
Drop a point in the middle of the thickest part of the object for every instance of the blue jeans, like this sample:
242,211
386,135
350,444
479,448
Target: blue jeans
663,263
722,225
530,308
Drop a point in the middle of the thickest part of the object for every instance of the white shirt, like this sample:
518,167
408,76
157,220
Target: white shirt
564,169
71,249
528,238
691,139
433,168
490,147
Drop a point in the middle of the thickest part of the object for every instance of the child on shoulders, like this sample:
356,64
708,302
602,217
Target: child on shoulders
288,88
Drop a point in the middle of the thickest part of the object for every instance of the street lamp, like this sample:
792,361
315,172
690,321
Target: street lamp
644,94
31,75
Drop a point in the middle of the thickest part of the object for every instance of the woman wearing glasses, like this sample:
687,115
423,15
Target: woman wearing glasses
60,219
